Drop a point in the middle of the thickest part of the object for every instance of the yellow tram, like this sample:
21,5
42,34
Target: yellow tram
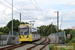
25,33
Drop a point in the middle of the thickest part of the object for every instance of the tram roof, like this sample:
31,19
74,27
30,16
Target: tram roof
23,25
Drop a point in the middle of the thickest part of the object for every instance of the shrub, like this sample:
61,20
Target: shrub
1,33
73,40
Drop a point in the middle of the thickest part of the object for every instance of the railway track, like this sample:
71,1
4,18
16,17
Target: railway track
12,47
40,46
45,45
36,45
44,42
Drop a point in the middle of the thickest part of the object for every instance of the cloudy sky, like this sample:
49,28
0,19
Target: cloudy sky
40,9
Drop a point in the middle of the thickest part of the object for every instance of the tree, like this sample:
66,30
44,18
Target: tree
6,30
46,30
1,29
8,27
24,23
67,31
72,32
16,23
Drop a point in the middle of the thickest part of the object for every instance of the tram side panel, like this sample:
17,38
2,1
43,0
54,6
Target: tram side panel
35,37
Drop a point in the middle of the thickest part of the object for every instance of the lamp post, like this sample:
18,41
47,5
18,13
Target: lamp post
57,22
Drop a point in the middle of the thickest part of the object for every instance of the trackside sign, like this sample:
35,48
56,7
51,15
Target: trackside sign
68,35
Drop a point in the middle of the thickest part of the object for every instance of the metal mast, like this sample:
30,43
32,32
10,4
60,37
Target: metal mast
57,23
12,17
20,18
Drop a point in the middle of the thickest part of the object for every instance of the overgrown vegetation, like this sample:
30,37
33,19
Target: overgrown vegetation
69,46
47,30
72,37
1,33
5,30
44,30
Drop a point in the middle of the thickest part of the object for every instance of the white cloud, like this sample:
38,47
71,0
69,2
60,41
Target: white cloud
66,27
69,15
40,17
54,1
71,4
40,23
1,17
2,25
52,13
8,11
14,8
69,26
2,8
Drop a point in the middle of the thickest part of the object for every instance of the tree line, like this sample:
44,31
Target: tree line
44,30
47,30
5,30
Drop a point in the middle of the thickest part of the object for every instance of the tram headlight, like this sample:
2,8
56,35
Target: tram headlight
27,36
19,36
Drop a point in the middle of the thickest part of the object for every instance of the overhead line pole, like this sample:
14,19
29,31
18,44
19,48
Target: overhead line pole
20,18
51,27
12,17
57,23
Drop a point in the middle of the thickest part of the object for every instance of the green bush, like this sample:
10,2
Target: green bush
67,40
1,33
73,40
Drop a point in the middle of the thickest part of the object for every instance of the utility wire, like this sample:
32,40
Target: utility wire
10,4
16,11
33,4
40,8
5,5
11,8
17,8
36,8
29,18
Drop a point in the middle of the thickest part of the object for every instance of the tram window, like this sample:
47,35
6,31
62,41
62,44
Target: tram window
25,33
21,33
30,30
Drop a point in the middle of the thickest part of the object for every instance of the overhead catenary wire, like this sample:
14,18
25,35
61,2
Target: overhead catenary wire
17,8
7,6
36,8
40,8
17,12
33,4
11,8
